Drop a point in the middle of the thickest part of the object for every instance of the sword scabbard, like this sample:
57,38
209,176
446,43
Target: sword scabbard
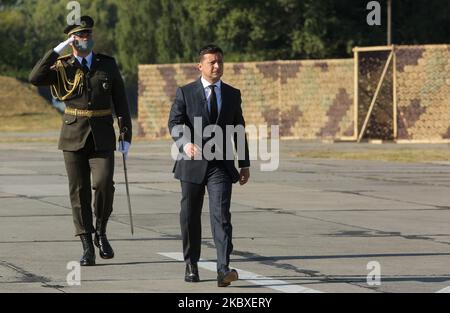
123,130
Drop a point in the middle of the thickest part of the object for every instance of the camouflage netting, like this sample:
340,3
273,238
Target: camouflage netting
370,66
423,92
314,99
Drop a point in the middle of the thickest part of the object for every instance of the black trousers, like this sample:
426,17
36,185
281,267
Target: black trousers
219,186
79,166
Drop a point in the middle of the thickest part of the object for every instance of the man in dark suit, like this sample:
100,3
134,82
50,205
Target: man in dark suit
91,86
216,105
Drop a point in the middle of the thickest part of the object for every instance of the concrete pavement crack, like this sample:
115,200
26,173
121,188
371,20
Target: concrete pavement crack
357,193
28,277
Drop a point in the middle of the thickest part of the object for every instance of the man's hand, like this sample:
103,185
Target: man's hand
191,150
60,48
244,176
124,146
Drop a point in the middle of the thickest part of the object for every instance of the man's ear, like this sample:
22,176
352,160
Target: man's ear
199,66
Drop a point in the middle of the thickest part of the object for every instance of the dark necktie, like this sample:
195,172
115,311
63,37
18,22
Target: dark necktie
213,110
84,63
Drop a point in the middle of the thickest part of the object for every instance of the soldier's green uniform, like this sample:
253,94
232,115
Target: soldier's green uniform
100,89
87,135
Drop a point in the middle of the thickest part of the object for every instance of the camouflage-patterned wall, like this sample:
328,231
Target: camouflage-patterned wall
313,99
307,99
423,92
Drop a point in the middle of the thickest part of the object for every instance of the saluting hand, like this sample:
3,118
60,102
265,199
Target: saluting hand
60,48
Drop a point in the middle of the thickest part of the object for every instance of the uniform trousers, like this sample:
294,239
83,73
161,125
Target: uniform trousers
80,165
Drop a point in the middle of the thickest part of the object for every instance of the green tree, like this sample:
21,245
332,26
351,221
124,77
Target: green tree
168,31
104,13
135,35
169,44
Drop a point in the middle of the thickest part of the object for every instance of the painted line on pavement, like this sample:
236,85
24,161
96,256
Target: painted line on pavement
444,290
253,278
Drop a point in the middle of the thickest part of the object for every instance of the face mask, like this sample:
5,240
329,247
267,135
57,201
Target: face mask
84,46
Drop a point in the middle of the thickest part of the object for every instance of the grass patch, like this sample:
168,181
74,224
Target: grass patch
397,155
22,109
33,122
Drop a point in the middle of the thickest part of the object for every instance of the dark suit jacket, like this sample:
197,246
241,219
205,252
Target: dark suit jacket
103,89
191,102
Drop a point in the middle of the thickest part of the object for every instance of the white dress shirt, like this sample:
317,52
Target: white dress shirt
218,91
88,59
208,93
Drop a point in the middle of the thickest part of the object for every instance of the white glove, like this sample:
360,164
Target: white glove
124,146
60,48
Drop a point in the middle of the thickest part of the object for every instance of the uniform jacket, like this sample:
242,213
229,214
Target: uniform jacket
103,88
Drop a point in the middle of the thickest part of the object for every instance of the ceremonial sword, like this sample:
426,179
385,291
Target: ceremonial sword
123,130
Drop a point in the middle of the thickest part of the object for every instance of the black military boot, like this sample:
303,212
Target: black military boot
88,258
191,273
102,243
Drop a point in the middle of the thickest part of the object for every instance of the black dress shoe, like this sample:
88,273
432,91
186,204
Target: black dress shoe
191,274
102,243
224,278
88,258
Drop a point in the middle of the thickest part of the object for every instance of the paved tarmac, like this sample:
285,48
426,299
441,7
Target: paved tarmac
314,225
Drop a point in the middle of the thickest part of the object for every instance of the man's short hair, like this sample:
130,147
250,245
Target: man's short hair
209,49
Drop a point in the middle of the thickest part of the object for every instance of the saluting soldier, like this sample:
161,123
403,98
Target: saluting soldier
91,86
